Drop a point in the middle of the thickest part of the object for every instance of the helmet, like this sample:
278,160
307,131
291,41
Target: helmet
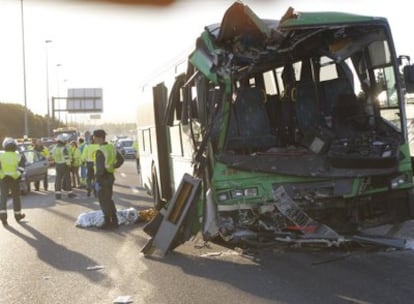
9,141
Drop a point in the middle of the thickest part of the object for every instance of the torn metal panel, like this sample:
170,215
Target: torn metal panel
210,225
305,224
174,217
241,23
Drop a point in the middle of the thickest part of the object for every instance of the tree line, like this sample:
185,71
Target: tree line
12,124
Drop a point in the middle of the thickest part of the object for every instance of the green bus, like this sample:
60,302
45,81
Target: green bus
294,126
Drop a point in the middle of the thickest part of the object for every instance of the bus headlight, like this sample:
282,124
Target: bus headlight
237,194
251,192
223,196
398,181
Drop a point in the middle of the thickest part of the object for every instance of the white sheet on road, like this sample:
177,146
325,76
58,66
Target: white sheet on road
96,218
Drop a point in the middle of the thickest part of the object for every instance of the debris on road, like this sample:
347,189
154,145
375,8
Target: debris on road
96,267
220,253
393,242
147,214
123,300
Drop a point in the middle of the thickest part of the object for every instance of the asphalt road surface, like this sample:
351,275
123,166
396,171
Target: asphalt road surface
47,259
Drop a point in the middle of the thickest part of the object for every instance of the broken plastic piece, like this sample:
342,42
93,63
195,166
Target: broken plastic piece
123,300
96,267
381,240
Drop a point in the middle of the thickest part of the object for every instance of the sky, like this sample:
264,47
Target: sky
102,44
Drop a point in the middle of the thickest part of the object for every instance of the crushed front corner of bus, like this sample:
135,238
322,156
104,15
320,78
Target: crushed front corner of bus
296,127
311,139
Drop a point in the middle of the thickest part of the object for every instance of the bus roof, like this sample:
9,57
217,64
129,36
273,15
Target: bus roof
319,18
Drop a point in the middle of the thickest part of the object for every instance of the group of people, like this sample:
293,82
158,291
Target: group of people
96,160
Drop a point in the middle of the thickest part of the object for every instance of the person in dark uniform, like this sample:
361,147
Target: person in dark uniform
107,159
11,169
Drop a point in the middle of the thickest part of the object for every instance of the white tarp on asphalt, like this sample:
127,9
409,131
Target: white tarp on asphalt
96,218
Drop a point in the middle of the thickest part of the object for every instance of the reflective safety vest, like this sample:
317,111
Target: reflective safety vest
109,152
9,162
81,147
76,156
45,152
61,155
88,153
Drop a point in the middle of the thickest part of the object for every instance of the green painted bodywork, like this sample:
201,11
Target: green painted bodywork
327,18
201,60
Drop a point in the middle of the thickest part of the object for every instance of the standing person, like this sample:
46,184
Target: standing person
87,156
82,145
11,168
107,159
75,164
61,154
43,150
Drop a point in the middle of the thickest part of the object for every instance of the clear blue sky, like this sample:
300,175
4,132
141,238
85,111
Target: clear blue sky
117,47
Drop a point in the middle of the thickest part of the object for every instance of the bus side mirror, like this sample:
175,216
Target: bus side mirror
409,78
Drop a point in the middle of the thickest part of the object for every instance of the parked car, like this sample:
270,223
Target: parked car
125,146
34,170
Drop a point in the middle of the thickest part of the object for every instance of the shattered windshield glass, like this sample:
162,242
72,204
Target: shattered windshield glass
309,91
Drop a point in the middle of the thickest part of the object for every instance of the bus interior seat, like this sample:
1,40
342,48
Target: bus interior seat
348,116
282,119
249,121
307,106
330,90
273,108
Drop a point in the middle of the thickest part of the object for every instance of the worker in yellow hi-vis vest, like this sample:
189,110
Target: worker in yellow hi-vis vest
87,156
62,156
11,169
107,159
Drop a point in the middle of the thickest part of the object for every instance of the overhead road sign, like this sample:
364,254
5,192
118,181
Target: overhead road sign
84,100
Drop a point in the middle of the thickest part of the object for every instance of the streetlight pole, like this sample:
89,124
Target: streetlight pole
26,127
58,66
47,87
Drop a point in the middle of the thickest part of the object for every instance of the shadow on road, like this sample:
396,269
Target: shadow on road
301,277
58,256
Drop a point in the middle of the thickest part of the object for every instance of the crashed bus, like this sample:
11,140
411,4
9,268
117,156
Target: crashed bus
272,128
